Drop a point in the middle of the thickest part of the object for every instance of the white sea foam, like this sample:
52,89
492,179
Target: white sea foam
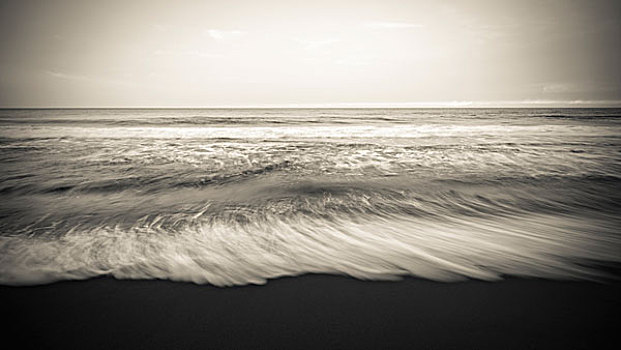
342,132
378,248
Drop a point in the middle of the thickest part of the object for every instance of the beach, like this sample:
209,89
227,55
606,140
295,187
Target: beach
314,312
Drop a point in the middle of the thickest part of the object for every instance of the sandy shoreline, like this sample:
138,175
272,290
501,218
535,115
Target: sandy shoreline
314,311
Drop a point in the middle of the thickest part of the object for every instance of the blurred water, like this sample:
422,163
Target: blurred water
239,196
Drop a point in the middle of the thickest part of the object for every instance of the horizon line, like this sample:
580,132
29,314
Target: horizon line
371,105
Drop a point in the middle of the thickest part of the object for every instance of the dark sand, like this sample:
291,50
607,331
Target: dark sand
316,311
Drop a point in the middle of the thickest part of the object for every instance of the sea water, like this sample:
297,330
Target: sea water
238,196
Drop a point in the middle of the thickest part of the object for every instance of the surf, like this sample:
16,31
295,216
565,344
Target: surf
197,196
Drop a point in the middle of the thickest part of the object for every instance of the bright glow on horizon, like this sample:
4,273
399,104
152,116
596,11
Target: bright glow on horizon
278,54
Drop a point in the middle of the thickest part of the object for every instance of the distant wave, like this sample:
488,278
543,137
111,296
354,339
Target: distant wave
298,132
582,117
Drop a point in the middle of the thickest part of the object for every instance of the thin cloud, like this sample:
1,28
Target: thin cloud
220,35
393,25
186,53
65,76
558,88
311,45
575,89
356,60
89,79
162,27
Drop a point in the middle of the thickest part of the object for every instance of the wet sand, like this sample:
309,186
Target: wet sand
314,312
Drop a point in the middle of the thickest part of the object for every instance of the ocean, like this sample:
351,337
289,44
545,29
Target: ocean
240,196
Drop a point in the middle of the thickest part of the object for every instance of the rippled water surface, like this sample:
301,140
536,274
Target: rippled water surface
232,197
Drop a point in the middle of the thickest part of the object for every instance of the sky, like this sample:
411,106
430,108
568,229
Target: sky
351,53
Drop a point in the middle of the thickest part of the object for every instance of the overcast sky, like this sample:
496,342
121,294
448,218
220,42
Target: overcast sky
309,53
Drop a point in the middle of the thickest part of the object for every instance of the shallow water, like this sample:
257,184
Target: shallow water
231,197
